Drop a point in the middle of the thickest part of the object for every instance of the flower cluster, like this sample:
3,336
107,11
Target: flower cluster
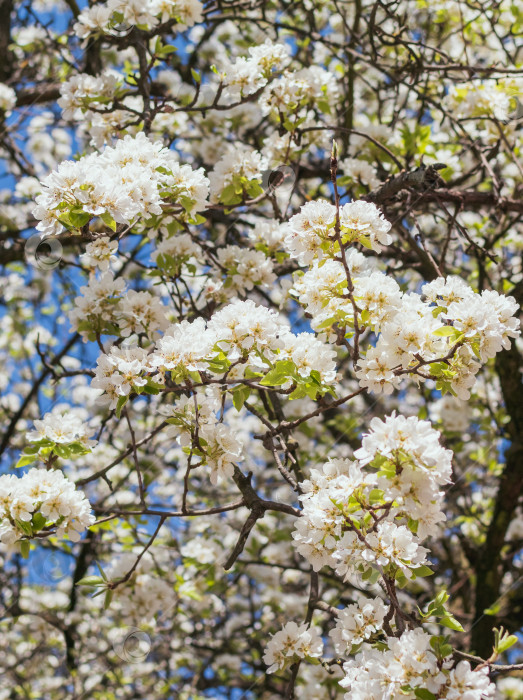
243,332
237,175
39,500
409,664
119,372
220,448
60,434
357,170
196,426
248,74
7,99
61,428
487,321
172,253
291,643
295,93
83,91
440,334
134,179
241,335
483,98
310,233
357,623
104,308
106,18
145,593
100,253
245,268
403,497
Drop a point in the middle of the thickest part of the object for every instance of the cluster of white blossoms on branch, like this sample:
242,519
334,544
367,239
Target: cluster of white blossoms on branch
310,233
292,95
368,517
245,268
144,593
357,623
63,433
484,98
115,15
373,513
403,666
194,422
247,74
100,253
444,333
248,334
106,307
242,333
174,253
406,666
41,500
7,99
84,91
61,427
410,664
237,175
135,178
292,643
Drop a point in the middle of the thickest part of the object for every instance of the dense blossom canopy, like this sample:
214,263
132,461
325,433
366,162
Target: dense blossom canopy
261,400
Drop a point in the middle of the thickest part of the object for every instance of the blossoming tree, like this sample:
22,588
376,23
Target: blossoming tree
261,405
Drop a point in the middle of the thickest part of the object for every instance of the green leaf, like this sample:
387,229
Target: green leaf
78,448
251,374
281,372
102,572
493,610
90,581
119,406
441,646
441,598
424,694
25,527
366,574
451,622
506,643
149,389
25,460
39,521
503,640
229,195
79,218
108,598
25,548
445,331
422,571
240,396
34,449
108,220
62,451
